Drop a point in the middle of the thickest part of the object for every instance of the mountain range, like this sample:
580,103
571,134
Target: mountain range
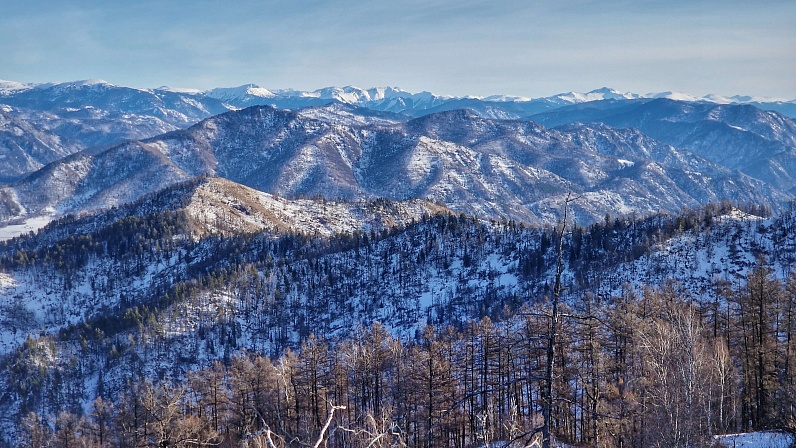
76,116
739,137
150,233
393,99
494,169
85,146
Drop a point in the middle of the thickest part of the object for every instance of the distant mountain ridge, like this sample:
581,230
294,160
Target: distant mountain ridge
83,115
494,169
88,145
392,99
27,146
759,143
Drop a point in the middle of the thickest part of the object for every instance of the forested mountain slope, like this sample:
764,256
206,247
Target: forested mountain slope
77,268
150,289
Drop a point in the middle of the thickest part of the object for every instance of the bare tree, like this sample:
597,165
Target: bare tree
35,432
548,399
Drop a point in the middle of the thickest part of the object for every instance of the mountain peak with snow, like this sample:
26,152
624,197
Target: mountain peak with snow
188,90
91,82
356,95
10,87
239,93
603,93
502,98
677,96
75,85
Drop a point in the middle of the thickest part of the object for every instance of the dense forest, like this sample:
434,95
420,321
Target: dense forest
448,332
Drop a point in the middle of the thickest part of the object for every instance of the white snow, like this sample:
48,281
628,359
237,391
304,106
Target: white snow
595,95
29,225
697,259
178,89
613,200
231,93
503,98
89,82
739,215
72,85
222,206
625,163
741,99
338,114
677,96
360,96
11,87
755,440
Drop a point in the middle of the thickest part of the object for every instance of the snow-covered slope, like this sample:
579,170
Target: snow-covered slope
176,219
393,263
84,182
242,96
134,290
490,168
25,146
494,167
759,143
95,113
384,99
12,87
64,118
348,115
221,207
173,108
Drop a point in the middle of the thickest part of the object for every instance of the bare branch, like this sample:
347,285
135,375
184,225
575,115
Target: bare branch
326,426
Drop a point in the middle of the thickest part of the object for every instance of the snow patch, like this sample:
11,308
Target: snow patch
178,90
755,440
625,163
12,87
677,96
29,225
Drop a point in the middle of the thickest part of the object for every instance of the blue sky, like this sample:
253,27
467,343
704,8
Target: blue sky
528,48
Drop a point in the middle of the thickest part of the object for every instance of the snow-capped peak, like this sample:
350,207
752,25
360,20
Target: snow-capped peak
503,98
189,91
743,99
603,93
231,93
381,93
75,85
356,95
608,93
8,87
381,98
677,96
347,94
90,82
